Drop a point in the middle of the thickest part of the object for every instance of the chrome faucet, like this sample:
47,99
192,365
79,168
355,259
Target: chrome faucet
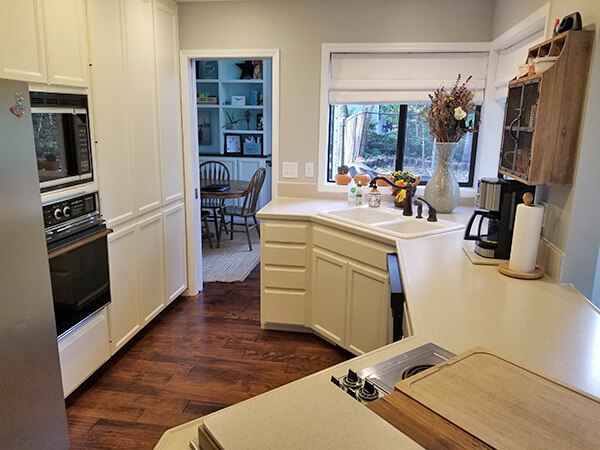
432,217
406,204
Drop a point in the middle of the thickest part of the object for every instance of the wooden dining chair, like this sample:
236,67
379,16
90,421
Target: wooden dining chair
248,209
217,172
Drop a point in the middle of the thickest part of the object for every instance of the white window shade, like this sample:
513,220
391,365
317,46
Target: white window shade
509,60
370,78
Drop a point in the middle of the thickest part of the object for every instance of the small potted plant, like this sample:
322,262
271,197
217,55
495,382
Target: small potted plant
343,177
364,178
50,163
232,122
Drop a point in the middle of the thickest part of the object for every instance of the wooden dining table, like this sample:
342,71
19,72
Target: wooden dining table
237,189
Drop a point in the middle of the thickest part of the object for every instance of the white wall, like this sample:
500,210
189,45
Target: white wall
574,212
298,28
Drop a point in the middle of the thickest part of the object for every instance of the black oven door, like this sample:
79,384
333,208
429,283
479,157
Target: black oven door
80,279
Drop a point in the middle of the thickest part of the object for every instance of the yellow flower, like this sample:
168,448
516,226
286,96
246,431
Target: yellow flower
459,114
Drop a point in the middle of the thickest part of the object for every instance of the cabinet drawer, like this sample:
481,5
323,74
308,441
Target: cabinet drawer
363,250
284,254
285,232
284,277
280,306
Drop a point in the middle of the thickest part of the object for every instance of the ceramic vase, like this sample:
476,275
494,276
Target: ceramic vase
442,189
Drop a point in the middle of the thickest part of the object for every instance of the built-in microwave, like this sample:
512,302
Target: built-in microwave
62,139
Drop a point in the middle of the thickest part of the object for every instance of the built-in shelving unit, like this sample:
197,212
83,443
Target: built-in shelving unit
219,90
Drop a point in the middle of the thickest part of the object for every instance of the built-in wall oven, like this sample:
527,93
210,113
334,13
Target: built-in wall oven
62,139
76,237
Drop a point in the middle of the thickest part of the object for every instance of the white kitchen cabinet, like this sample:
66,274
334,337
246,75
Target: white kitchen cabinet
66,42
369,313
328,299
123,310
44,41
169,107
140,70
151,267
175,251
22,47
110,112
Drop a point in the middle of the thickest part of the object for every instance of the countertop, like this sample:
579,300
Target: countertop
548,328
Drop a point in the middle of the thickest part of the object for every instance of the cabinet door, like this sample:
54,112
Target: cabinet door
151,267
328,302
169,111
175,250
66,45
123,314
22,50
141,95
110,118
368,309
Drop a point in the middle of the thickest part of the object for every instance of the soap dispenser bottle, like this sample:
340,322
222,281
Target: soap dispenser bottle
359,194
374,197
352,194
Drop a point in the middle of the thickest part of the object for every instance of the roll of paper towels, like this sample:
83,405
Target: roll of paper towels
526,238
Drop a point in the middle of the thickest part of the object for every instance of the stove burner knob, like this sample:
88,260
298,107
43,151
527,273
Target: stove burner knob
369,388
335,381
352,376
352,394
58,214
66,211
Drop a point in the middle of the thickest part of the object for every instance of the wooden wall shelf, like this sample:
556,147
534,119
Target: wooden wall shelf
543,114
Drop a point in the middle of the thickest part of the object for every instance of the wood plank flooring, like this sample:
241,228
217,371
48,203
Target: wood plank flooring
201,354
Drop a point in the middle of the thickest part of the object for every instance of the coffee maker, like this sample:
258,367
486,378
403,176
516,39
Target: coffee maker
497,201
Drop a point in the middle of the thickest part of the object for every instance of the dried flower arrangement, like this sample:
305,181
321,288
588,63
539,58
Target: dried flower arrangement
448,111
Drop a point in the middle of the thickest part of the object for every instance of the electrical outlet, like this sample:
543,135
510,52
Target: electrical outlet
289,170
309,170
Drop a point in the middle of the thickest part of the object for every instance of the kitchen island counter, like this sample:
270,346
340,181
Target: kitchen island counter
548,328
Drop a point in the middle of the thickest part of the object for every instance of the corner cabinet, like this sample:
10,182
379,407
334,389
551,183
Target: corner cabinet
329,281
44,41
543,113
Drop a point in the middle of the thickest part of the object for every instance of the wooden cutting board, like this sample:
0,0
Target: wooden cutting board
505,405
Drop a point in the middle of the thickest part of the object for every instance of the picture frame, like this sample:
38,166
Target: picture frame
238,100
259,122
233,144
253,148
204,128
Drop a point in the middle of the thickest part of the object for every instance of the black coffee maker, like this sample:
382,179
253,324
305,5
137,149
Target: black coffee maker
497,201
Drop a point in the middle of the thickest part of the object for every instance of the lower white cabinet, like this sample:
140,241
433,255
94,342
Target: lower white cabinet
123,310
147,271
175,251
369,319
151,267
83,350
328,296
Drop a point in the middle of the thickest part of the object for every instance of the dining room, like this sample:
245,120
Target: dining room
233,98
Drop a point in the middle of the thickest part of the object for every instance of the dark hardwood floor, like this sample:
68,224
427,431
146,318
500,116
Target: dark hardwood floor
201,354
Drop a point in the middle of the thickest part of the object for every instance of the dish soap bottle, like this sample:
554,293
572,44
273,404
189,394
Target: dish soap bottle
351,194
359,194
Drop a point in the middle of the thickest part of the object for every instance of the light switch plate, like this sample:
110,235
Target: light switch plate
309,170
290,170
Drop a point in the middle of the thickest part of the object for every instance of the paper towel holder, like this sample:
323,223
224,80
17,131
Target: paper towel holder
504,268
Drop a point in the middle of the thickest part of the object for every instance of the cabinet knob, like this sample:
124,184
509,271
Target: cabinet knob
564,131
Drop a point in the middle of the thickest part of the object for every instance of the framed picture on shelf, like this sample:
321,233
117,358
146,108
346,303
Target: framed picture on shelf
259,122
203,128
233,144
253,146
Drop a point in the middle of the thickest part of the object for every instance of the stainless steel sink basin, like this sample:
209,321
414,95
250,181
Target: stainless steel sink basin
390,221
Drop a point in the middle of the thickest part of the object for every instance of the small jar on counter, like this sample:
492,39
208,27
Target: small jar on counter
374,198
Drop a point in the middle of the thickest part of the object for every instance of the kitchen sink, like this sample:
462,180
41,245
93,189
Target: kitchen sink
390,221
361,214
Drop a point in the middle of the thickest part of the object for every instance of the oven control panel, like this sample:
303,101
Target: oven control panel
60,212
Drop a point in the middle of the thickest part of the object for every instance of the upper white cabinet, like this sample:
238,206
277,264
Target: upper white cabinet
44,41
169,111
110,119
22,51
66,42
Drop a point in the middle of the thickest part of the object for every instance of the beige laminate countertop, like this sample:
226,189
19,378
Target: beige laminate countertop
545,327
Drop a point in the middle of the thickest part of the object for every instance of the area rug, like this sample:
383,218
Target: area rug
232,261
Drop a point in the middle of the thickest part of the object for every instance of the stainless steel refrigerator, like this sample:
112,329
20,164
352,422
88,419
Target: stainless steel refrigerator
32,408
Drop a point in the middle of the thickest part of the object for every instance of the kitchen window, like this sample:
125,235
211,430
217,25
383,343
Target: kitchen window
380,138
